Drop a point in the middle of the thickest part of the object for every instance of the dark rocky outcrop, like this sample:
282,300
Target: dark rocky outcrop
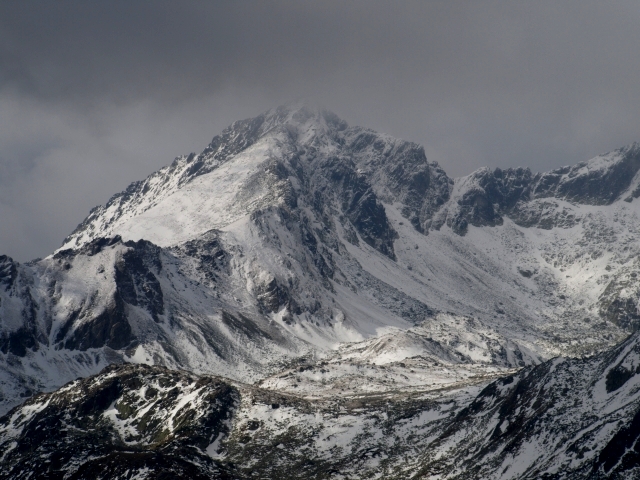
110,328
135,280
8,271
488,195
136,285
26,336
70,434
618,308
361,205
401,172
596,186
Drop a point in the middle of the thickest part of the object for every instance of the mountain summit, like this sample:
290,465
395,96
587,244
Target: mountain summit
306,299
270,162
294,237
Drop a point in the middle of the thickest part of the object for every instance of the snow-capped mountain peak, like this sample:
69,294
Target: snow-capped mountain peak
295,235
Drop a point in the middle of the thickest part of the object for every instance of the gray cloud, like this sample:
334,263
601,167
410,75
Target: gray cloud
94,95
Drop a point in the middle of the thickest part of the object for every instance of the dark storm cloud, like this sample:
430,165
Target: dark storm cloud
94,95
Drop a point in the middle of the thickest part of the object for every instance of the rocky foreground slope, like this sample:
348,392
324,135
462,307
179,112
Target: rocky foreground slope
565,418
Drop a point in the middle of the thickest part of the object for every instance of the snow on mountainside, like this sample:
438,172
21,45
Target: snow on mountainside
295,238
565,418
296,159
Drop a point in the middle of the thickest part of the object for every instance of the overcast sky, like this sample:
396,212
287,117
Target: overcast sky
95,95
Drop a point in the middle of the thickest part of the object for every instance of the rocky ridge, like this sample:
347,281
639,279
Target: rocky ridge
565,418
316,259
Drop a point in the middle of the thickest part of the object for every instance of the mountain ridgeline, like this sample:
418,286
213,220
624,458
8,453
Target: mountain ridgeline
566,418
301,258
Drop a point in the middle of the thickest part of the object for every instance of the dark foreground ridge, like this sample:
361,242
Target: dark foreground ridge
84,431
573,419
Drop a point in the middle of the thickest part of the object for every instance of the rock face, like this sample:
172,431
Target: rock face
129,419
574,418
486,196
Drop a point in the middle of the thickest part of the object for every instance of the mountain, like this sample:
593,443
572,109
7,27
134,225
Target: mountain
565,418
300,256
